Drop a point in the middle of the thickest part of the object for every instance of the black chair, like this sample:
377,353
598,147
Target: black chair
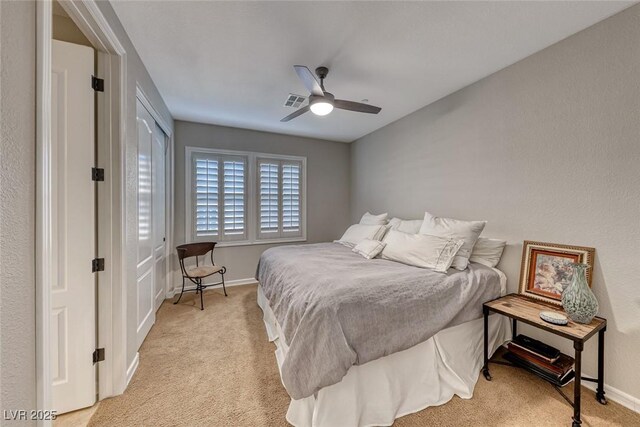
200,270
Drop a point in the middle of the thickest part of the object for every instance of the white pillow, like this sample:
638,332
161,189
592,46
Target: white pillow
369,248
487,251
421,250
411,226
469,231
358,232
370,219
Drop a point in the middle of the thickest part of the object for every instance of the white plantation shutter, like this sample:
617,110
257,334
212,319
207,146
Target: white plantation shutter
220,196
279,198
291,197
206,196
234,197
269,198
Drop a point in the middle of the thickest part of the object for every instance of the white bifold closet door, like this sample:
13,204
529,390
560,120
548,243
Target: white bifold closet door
151,253
73,240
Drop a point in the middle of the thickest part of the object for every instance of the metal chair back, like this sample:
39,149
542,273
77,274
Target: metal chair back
191,250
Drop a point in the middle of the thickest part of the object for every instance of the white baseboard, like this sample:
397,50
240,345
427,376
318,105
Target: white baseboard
228,283
132,368
617,396
239,282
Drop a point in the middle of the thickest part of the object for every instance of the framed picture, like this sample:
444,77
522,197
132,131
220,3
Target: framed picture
546,269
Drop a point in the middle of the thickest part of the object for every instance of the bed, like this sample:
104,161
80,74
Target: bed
361,342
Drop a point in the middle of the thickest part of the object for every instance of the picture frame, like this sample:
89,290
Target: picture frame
545,271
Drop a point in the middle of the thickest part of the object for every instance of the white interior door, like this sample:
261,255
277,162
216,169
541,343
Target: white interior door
159,222
73,297
146,262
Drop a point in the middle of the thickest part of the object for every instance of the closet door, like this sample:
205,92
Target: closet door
158,151
145,255
152,257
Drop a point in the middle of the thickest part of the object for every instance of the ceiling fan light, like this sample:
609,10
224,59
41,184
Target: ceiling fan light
321,108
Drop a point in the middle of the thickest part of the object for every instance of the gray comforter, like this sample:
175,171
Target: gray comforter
338,309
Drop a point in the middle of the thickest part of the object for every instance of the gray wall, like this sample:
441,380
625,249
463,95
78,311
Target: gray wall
136,73
546,149
327,185
17,209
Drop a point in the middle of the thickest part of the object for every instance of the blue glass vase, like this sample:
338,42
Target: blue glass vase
578,301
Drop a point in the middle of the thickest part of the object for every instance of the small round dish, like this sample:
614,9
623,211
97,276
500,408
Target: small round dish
554,317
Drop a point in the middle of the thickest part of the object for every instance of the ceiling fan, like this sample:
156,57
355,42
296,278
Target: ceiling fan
322,102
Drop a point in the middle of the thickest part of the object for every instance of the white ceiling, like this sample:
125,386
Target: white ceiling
231,63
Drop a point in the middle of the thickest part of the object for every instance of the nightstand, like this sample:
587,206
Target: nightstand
524,309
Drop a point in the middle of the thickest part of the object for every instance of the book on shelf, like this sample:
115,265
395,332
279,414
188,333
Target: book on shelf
537,348
558,380
560,366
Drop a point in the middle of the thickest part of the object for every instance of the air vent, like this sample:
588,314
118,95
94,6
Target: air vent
294,101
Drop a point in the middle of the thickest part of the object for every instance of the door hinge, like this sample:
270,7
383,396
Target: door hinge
97,174
97,265
97,84
98,355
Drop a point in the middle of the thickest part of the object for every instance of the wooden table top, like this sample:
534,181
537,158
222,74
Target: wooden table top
528,310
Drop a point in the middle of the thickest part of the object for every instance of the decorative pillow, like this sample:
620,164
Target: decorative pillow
456,229
393,223
370,219
369,248
381,233
487,251
421,250
411,226
358,232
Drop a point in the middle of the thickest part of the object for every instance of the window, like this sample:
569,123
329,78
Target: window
279,198
219,196
239,198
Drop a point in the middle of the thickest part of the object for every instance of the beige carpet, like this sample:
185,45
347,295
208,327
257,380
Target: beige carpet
216,368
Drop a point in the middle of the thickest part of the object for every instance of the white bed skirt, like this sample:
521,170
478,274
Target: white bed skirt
378,392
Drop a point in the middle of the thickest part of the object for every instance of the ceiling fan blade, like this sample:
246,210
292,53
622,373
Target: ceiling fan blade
296,113
356,106
308,80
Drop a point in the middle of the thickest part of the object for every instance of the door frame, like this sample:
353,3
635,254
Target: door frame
111,139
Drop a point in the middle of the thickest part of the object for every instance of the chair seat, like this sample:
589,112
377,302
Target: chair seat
203,271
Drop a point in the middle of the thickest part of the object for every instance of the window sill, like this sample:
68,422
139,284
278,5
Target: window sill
260,242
